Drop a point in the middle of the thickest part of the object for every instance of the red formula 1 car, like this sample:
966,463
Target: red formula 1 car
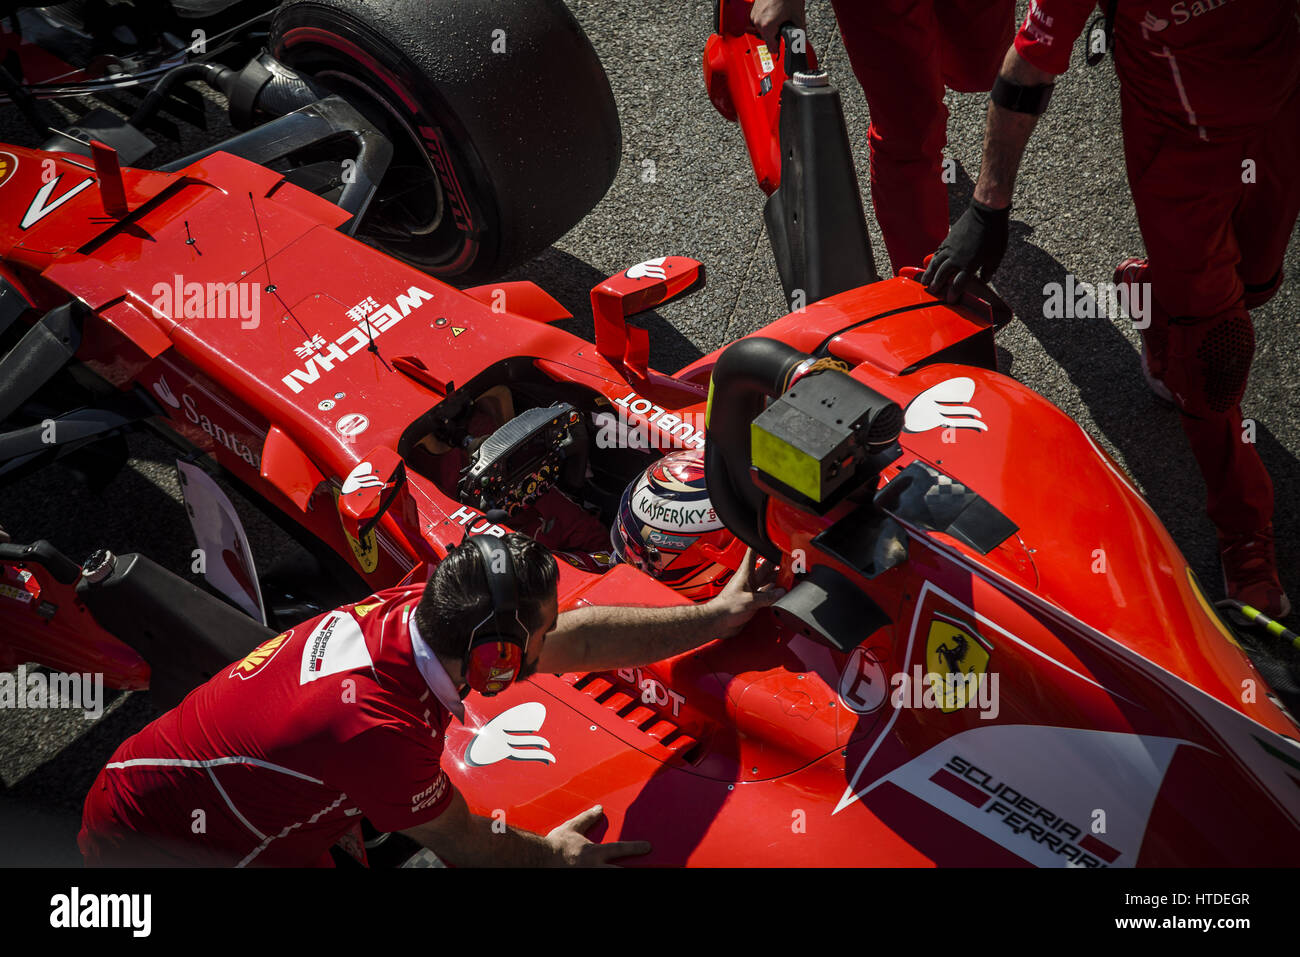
990,652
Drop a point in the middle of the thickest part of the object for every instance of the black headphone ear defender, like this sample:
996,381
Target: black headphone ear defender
495,653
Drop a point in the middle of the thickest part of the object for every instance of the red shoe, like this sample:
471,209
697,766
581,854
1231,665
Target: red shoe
1250,572
1133,270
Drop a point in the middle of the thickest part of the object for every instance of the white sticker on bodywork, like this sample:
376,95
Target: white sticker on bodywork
511,735
42,205
1000,782
942,406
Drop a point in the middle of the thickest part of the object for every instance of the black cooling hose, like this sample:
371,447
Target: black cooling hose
263,86
214,75
748,373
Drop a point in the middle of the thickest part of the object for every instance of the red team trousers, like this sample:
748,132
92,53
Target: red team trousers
904,52
1215,244
1210,100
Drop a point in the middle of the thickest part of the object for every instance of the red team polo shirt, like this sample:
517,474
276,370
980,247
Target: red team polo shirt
283,751
1211,65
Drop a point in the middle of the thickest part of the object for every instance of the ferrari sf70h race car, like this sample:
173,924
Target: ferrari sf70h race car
948,680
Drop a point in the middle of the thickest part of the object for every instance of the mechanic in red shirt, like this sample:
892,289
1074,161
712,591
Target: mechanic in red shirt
904,52
1210,92
275,759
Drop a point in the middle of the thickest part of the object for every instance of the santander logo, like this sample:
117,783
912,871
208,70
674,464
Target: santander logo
511,735
164,392
363,476
650,269
943,406
1153,24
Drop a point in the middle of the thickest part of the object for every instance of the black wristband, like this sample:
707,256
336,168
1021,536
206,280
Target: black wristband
1021,99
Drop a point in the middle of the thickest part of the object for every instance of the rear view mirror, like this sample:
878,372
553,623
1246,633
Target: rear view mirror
367,494
641,287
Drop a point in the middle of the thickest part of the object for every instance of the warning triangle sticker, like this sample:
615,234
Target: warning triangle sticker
457,330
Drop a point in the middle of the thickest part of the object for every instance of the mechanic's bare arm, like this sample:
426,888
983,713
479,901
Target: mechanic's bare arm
468,840
602,637
977,241
1006,133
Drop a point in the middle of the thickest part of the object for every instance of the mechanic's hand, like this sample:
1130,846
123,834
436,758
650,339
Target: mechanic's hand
768,15
4,536
573,849
977,241
749,591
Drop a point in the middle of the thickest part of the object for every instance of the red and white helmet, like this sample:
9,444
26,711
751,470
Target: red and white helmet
667,527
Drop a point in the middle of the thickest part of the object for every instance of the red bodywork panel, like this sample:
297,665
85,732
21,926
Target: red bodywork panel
1119,733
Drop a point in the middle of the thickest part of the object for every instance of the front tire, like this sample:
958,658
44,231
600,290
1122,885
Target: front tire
503,119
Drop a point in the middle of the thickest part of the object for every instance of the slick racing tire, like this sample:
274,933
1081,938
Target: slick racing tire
503,122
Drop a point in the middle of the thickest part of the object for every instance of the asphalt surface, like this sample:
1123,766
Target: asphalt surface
1072,216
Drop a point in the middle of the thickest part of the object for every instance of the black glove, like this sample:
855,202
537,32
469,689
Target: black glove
977,241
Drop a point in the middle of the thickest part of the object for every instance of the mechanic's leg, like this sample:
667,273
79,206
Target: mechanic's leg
893,46
1270,205
1209,363
1185,192
1134,273
974,36
1142,143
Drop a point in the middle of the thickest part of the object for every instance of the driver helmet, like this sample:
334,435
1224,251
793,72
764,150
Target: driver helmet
666,526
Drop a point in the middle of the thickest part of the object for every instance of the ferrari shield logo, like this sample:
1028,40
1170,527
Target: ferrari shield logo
955,661
366,550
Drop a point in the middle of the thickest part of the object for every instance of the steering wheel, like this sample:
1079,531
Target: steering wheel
525,458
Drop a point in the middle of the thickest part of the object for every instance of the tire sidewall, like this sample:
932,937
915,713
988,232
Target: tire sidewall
303,33
507,96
